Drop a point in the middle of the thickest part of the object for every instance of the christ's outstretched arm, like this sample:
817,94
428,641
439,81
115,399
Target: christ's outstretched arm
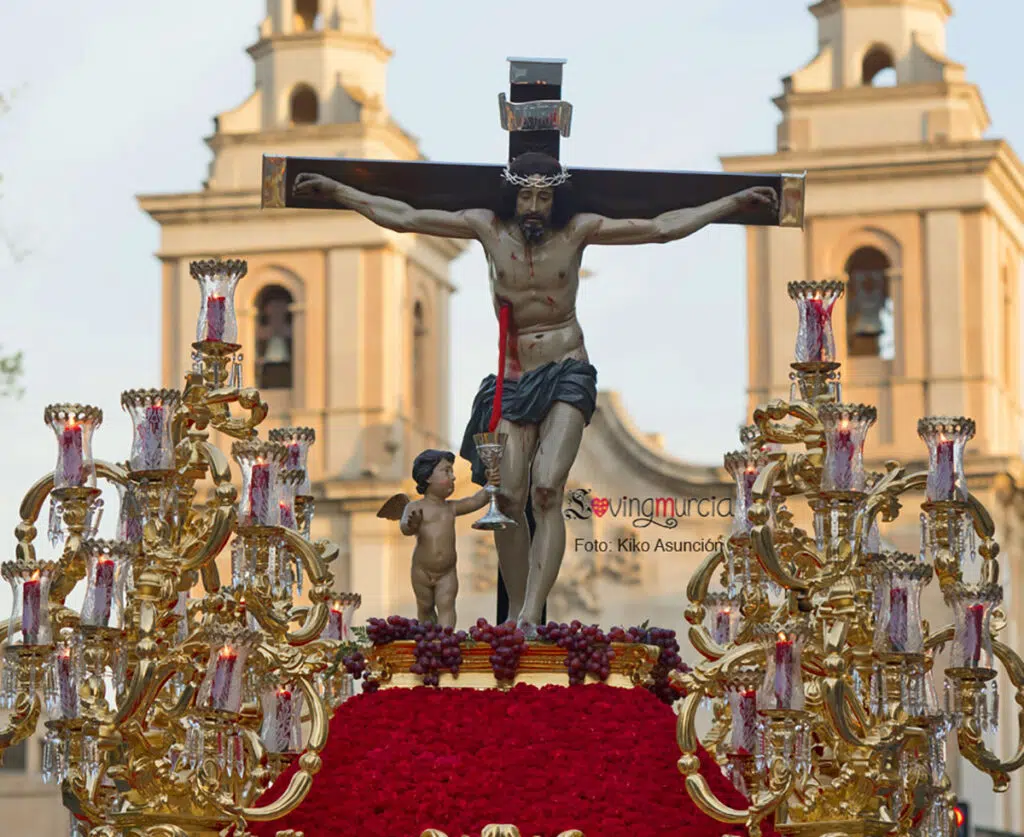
395,215
673,225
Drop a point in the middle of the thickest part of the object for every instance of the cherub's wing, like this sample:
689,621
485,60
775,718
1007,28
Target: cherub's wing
393,508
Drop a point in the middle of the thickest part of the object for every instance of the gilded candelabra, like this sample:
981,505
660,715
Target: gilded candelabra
819,669
171,701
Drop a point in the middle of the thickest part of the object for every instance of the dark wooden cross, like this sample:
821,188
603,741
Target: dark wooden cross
536,119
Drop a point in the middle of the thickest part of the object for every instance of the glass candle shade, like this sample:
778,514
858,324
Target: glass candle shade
972,606
845,428
899,579
152,411
289,483
814,301
260,463
744,467
74,425
106,572
298,441
222,687
946,439
64,677
723,617
217,280
783,685
742,696
281,731
30,587
341,617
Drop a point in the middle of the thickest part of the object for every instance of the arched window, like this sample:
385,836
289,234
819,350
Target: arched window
304,109
870,322
274,351
878,68
307,15
419,358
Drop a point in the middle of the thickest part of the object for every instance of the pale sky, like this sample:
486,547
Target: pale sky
116,95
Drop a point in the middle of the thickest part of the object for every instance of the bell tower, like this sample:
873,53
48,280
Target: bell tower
344,325
922,217
915,209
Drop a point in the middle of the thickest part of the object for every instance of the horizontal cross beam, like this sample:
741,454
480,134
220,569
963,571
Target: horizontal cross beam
612,193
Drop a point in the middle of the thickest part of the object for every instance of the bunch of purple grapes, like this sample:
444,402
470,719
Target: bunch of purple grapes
587,649
392,629
355,664
668,660
507,642
437,649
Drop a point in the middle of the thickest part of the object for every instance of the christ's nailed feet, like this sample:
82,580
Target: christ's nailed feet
529,630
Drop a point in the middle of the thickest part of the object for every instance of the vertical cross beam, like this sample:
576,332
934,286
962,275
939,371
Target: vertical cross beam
536,119
534,114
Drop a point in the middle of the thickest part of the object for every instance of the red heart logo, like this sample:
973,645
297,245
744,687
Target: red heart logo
599,505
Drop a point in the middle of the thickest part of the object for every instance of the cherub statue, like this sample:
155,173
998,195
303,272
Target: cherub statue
432,520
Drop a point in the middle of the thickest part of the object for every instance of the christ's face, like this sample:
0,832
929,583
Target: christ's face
533,210
442,480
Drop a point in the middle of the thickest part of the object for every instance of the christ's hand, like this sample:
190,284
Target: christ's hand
308,185
756,198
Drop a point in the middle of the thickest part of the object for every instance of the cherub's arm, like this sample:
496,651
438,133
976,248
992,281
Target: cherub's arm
412,517
393,214
672,225
471,503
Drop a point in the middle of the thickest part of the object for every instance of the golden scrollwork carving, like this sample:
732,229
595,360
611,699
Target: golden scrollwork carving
826,679
161,720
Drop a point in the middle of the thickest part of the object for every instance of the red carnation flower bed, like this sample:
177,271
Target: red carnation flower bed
594,757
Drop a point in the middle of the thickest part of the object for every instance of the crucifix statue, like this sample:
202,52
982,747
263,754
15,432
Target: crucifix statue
534,218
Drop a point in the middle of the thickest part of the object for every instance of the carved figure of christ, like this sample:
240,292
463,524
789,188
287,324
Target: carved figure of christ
534,249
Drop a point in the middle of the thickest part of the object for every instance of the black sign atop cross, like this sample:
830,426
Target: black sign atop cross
536,118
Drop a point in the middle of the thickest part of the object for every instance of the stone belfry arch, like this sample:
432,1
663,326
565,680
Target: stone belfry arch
336,313
910,203
922,215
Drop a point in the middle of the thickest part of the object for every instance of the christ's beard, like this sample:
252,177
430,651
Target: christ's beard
533,228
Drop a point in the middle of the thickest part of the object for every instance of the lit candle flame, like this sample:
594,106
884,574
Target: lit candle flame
783,637
227,651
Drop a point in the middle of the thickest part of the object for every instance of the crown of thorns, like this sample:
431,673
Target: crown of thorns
538,181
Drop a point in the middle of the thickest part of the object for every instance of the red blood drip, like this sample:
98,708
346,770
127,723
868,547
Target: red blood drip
504,322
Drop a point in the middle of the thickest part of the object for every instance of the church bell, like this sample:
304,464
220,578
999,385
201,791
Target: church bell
277,350
868,322
868,298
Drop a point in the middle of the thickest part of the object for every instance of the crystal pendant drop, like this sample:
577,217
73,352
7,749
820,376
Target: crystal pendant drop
236,372
55,527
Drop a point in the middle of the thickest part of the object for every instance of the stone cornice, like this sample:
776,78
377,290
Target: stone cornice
994,159
244,208
678,477
860,95
824,7
404,144
324,37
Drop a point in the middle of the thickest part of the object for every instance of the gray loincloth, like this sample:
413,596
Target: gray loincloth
527,401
